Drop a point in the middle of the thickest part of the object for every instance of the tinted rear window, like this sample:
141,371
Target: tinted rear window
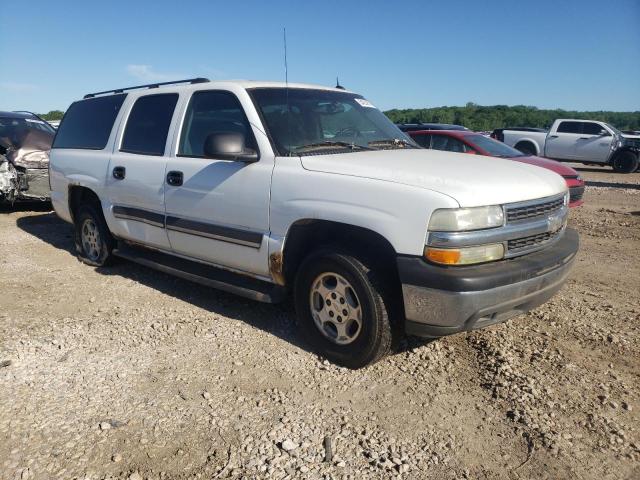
87,124
148,124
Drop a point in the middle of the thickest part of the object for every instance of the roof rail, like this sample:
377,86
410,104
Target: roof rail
150,85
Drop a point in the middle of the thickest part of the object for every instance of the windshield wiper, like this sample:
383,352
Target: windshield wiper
330,145
391,142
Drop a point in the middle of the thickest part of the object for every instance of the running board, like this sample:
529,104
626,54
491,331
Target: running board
210,276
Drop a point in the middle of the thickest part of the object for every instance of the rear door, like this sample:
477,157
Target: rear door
562,143
218,210
135,178
594,145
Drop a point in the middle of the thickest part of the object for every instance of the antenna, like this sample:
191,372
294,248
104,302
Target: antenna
286,88
338,84
286,70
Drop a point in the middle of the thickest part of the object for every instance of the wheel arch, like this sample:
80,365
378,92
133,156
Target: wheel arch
306,235
79,195
527,141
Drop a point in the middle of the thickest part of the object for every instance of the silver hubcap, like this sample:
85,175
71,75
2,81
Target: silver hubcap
90,239
335,308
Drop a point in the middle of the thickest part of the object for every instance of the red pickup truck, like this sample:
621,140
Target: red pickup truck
465,141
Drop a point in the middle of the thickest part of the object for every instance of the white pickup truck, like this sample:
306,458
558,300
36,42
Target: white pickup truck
262,189
585,141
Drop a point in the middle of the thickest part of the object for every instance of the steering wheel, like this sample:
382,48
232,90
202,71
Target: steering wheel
351,132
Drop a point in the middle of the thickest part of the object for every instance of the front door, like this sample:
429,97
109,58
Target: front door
218,210
594,145
135,179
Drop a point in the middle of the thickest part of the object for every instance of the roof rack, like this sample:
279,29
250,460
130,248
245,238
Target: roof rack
150,85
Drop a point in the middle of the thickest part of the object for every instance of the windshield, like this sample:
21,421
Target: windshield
493,147
322,121
614,129
14,132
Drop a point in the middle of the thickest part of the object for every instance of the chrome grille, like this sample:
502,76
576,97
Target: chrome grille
518,244
516,213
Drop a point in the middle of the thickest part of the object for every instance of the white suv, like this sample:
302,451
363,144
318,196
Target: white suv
263,188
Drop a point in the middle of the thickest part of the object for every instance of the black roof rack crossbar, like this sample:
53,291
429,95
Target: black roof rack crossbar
150,85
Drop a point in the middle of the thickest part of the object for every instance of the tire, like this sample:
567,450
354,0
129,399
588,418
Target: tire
625,162
526,148
365,334
94,242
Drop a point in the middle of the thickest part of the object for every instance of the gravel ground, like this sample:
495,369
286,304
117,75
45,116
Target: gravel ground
129,373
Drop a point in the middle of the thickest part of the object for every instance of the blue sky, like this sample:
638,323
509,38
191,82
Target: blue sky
568,54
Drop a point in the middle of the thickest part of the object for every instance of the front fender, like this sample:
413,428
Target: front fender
399,213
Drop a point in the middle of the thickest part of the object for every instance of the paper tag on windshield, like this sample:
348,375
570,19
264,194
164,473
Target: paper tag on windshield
364,103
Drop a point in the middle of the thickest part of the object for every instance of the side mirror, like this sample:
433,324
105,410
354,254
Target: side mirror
604,133
229,146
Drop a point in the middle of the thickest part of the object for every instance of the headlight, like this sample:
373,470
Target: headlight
462,219
465,255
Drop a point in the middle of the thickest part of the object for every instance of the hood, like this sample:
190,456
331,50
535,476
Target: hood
559,168
472,180
31,149
633,137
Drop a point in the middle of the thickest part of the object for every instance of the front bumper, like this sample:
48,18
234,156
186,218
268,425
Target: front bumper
576,192
444,300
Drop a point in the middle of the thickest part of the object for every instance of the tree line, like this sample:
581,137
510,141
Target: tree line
52,115
483,118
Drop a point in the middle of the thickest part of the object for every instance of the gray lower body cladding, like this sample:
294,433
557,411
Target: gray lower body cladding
444,300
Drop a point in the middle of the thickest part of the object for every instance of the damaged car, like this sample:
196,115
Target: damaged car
25,141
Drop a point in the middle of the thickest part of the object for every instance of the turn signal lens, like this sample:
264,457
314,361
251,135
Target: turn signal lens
445,257
466,255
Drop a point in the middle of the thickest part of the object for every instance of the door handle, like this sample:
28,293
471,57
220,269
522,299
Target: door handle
553,136
119,173
583,138
174,178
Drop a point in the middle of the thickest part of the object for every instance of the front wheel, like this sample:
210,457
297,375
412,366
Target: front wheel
625,162
343,309
94,242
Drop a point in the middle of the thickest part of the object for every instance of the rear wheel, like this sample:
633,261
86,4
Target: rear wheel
526,147
343,309
625,162
94,242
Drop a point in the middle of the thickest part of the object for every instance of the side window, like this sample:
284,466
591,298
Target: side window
449,144
439,142
87,123
570,127
148,124
423,140
589,128
212,112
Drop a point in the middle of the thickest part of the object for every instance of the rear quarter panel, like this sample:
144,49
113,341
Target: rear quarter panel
512,138
79,167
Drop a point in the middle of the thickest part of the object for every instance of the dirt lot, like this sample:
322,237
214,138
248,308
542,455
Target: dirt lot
128,373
